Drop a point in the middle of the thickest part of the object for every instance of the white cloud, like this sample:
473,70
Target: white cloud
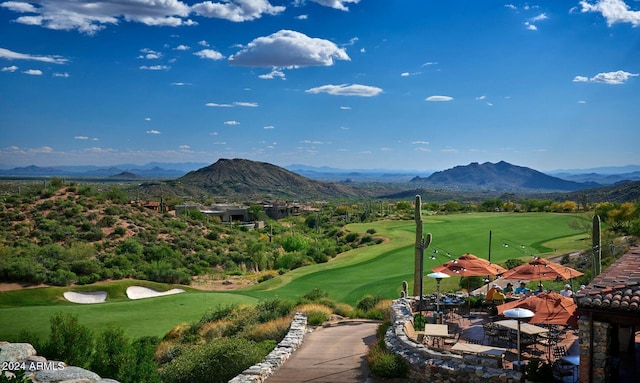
147,118
511,6
182,48
64,75
184,147
11,55
336,4
614,11
269,127
273,74
288,49
420,143
237,10
11,68
481,97
429,63
345,107
180,83
81,137
204,43
153,131
213,104
155,67
231,123
75,15
347,90
209,54
247,104
582,102
612,78
439,98
404,74
302,17
530,26
33,72
423,149
540,17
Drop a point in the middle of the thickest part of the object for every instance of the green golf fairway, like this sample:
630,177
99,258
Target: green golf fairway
376,269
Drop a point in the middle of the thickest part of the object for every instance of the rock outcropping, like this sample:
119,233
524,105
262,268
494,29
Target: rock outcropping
22,357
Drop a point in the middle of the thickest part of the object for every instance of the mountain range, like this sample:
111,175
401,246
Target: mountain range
256,180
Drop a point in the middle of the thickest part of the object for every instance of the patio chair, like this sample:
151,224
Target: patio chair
455,337
504,336
490,332
559,352
472,340
562,371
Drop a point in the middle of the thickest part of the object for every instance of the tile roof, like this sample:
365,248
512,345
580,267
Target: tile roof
617,288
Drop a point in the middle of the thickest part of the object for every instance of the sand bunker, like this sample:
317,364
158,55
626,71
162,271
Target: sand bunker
86,297
138,292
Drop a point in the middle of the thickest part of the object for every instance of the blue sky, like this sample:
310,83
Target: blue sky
342,83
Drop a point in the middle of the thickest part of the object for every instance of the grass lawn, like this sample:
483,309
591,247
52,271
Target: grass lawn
377,269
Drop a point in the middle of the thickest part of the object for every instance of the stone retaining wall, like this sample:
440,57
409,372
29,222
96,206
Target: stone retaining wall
428,365
291,342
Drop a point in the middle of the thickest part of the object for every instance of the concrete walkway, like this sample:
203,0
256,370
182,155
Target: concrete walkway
335,353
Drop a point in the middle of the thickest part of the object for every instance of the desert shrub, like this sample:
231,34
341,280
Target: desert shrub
113,352
274,330
382,362
316,314
351,237
314,295
273,308
69,341
217,329
145,370
217,361
368,302
343,309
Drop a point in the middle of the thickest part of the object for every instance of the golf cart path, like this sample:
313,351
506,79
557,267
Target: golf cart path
336,353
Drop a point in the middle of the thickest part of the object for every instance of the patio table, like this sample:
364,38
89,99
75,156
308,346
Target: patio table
478,349
436,332
525,328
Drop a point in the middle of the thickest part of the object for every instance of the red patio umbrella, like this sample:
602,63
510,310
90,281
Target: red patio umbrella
542,270
549,308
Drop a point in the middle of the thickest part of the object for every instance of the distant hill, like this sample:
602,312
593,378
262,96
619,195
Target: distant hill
602,179
241,177
151,170
627,191
499,176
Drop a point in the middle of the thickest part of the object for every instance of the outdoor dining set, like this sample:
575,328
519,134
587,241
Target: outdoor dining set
535,325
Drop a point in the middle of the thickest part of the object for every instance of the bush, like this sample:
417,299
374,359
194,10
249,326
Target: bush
69,341
368,302
217,361
316,314
383,363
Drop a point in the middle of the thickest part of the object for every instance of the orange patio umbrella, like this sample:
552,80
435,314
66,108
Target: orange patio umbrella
542,270
469,265
549,308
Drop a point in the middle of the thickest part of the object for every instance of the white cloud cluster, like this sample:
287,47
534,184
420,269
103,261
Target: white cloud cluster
613,78
78,15
237,10
347,90
288,49
614,11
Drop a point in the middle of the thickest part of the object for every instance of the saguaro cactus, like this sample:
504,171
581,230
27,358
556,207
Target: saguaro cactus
419,250
596,239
